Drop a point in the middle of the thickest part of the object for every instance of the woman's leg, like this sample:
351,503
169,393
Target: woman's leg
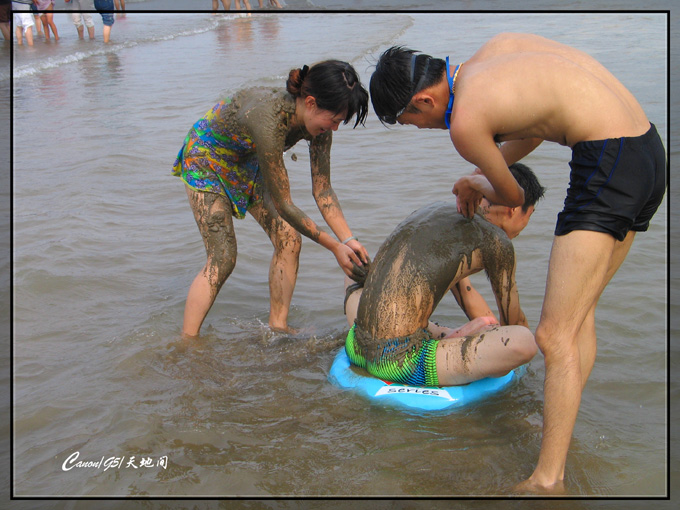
285,261
50,23
46,28
213,217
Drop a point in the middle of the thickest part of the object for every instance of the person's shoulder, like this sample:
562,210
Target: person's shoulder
262,95
492,231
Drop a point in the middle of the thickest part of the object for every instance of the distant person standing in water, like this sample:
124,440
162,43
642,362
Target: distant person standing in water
273,3
81,18
47,18
514,92
5,15
232,163
120,5
227,5
23,21
107,17
36,16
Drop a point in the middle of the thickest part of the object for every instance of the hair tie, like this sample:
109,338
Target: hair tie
303,72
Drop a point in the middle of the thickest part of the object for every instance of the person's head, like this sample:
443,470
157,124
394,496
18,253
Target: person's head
328,93
399,75
513,219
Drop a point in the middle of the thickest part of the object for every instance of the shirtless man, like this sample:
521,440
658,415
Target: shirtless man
434,250
518,90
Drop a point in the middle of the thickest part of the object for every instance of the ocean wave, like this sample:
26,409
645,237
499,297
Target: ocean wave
54,61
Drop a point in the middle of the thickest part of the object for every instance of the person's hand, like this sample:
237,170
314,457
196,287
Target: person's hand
359,249
467,197
349,261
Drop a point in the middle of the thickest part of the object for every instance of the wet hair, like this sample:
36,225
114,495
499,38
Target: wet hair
336,87
398,75
525,177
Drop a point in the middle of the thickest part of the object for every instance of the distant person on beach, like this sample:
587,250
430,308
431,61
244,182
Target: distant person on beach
513,93
107,17
273,3
5,16
227,5
119,4
433,250
81,18
47,18
36,16
23,21
232,163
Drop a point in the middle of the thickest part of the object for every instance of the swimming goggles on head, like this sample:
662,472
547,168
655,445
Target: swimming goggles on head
393,119
452,85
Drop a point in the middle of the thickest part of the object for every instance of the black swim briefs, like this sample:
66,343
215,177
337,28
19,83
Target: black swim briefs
616,185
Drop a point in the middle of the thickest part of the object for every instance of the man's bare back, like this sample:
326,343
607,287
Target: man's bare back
424,256
545,90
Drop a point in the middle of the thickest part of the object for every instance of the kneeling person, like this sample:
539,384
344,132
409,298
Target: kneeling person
429,253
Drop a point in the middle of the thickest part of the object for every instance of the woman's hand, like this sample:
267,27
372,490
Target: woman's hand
353,259
359,249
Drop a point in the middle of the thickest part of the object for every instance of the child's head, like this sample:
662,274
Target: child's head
335,87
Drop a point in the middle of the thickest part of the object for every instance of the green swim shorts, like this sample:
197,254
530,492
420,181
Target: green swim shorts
402,359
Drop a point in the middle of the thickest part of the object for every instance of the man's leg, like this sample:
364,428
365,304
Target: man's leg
488,351
581,265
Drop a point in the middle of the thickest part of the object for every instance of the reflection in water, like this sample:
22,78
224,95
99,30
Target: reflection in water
242,33
236,35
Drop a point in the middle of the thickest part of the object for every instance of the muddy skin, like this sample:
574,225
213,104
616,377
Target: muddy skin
267,116
283,269
417,264
470,343
213,217
462,304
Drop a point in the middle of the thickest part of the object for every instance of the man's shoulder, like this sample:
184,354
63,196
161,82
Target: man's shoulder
495,240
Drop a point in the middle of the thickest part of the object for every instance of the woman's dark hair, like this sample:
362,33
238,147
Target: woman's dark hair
336,87
528,181
398,75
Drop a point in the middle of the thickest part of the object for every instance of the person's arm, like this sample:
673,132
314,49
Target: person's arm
470,300
275,177
512,152
502,278
474,141
515,150
327,200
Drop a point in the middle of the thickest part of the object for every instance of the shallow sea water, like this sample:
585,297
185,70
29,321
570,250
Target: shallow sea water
105,247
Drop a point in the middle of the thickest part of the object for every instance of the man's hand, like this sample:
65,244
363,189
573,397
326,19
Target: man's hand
467,196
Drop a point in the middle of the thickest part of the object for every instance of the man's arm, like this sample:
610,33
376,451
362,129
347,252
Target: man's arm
470,300
502,277
474,141
515,150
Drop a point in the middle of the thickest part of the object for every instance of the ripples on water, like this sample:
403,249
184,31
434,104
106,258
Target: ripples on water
105,248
